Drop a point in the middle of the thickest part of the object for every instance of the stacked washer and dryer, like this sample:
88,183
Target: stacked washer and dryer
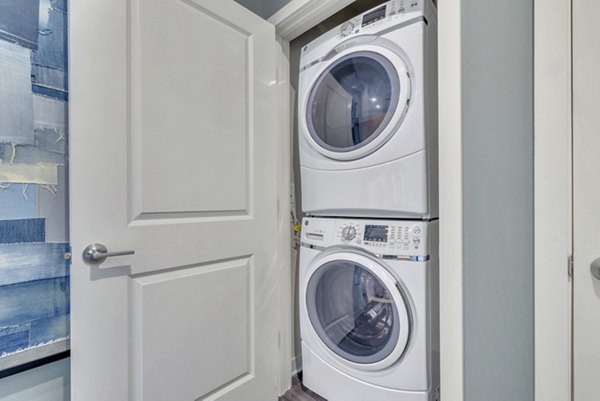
368,272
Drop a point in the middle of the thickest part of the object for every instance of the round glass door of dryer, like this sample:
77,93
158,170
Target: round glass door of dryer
357,313
353,101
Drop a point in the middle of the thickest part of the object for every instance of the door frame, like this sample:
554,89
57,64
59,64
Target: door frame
450,200
552,190
553,199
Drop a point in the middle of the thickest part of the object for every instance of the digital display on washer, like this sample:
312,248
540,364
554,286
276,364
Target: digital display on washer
376,233
373,16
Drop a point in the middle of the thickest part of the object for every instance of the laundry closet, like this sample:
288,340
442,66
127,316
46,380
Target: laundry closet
482,267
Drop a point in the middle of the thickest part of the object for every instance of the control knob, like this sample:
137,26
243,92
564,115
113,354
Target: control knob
348,233
347,28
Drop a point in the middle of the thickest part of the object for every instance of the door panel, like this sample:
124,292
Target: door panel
586,190
218,333
174,139
173,155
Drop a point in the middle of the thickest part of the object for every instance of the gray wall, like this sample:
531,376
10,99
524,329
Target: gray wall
264,8
497,62
47,383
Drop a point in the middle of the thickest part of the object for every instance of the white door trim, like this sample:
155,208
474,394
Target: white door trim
300,15
552,205
286,333
450,192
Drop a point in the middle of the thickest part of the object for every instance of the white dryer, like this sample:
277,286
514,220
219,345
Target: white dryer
369,309
367,115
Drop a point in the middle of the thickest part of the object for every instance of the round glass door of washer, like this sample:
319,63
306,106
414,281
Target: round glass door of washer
354,100
357,312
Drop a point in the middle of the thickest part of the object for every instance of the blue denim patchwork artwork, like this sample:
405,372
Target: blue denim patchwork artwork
19,22
34,274
22,230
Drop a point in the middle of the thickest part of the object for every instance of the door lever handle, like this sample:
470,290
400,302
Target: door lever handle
595,268
96,254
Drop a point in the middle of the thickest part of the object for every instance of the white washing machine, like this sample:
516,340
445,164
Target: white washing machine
369,309
367,115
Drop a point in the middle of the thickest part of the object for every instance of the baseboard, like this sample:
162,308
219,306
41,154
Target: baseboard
296,364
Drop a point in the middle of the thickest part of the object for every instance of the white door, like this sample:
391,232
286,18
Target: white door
173,149
586,199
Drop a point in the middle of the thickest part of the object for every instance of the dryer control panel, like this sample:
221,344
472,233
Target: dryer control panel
379,20
389,237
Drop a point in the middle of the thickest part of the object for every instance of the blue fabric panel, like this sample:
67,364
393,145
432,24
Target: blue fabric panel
16,98
50,114
52,41
28,262
23,230
13,205
19,22
53,328
48,140
49,63
48,77
33,300
55,208
50,92
49,82
14,338
30,155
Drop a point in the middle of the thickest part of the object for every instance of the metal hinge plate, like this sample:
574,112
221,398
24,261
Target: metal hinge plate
69,254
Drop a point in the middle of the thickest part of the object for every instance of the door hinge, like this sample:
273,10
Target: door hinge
69,254
570,266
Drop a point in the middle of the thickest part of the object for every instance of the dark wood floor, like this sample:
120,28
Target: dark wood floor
299,393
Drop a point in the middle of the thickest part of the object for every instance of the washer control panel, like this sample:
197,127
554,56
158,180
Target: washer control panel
392,237
385,12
